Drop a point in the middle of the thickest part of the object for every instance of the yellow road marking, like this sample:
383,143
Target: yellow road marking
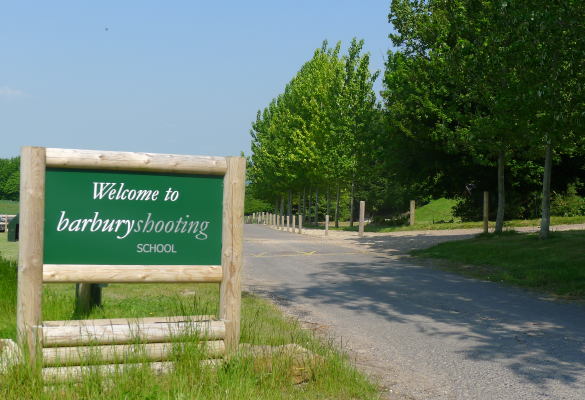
259,255
308,254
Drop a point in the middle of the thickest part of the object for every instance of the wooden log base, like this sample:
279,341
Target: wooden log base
55,375
129,321
124,334
126,353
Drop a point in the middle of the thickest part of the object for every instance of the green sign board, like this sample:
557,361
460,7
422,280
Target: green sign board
132,218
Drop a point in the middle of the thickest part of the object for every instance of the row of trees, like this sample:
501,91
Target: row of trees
10,178
480,96
311,135
495,80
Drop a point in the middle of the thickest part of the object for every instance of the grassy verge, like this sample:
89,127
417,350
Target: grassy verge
555,266
8,250
426,225
9,207
239,378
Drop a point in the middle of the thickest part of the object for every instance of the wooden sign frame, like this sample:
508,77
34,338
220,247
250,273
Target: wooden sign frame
32,273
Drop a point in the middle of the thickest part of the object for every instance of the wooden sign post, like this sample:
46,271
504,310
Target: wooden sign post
104,217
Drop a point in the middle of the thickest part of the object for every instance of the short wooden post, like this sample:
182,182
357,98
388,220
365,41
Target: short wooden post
30,252
293,224
230,289
84,297
362,212
326,225
282,222
486,211
287,223
411,212
301,223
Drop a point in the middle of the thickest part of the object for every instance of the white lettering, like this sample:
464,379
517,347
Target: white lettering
61,221
120,191
162,225
95,219
203,227
167,229
103,186
75,225
129,225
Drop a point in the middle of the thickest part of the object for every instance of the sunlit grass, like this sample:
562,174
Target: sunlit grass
239,377
555,266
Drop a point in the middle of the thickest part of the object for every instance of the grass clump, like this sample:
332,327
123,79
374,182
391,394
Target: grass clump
239,377
555,266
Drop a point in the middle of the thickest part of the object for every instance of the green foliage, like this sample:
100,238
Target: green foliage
254,205
568,204
480,83
10,178
315,133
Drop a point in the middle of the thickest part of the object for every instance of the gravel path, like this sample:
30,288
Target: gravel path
400,243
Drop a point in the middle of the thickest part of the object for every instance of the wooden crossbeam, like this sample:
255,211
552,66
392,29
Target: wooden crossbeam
73,273
129,161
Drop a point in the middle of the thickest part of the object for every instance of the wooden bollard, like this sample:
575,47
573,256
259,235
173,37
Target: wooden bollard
287,223
411,212
362,212
300,224
326,225
282,222
486,211
293,224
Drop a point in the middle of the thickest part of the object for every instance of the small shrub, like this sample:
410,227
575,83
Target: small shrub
567,204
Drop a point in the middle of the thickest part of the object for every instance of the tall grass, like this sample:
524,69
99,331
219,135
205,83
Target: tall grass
241,376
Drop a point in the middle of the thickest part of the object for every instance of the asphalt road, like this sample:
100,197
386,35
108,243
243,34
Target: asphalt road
425,333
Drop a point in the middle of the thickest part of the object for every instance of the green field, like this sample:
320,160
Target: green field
9,207
8,250
555,266
435,211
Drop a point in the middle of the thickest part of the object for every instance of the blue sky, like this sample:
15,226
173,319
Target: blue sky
180,77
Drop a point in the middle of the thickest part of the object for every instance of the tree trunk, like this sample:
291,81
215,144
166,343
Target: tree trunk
276,206
351,206
299,206
289,208
501,193
316,205
328,198
545,222
304,204
310,205
281,208
337,205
